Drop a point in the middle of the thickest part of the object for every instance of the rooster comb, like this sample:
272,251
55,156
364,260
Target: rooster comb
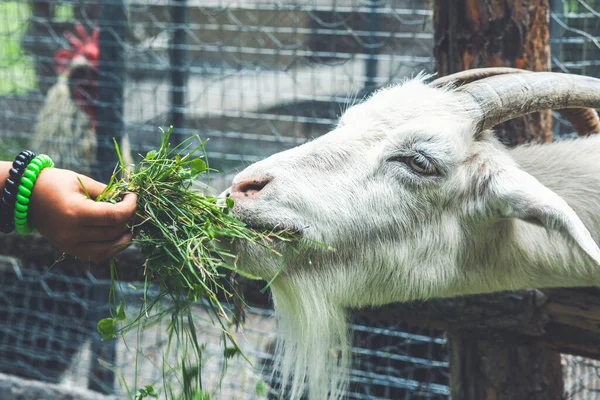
81,44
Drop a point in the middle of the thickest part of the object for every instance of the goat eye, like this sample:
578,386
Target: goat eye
421,165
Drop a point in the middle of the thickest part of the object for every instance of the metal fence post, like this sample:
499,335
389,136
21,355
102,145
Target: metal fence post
178,68
110,124
556,32
373,22
100,378
556,48
111,65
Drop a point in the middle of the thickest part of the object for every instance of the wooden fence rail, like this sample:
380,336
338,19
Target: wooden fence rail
564,320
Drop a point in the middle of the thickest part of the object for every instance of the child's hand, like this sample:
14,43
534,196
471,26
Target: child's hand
89,230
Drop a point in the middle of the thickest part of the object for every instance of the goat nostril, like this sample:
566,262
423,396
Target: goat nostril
255,186
249,187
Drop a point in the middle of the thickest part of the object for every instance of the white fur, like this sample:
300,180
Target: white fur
401,236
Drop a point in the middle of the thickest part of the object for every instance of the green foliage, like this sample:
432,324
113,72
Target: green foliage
11,146
64,12
17,74
107,328
197,166
230,352
181,233
17,70
573,6
260,388
145,392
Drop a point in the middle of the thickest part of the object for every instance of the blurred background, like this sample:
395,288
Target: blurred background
254,77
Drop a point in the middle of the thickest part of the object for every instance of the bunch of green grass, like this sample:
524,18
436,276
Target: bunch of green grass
180,231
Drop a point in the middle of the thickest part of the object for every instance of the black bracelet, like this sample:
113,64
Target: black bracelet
11,186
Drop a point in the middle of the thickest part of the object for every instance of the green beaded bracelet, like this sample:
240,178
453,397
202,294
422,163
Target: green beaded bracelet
24,191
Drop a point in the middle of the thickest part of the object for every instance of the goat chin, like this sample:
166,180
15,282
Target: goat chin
313,347
313,343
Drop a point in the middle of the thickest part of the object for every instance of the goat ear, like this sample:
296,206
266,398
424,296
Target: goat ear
517,194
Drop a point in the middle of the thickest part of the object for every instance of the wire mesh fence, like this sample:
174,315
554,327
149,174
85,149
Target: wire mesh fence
575,44
253,77
575,48
49,321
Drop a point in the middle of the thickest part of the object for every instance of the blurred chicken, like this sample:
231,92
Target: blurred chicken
66,125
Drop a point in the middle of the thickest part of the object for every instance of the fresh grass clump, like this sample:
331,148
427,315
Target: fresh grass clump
180,232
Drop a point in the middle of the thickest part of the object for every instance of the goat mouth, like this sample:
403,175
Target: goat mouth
276,229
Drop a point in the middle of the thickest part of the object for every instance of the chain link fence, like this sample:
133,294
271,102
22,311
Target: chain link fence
253,77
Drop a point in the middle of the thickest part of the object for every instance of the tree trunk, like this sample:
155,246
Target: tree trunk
495,33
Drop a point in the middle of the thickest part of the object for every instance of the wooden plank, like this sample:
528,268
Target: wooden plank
564,320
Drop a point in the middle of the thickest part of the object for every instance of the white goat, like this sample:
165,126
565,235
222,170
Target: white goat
419,200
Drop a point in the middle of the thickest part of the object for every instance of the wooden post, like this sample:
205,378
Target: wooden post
483,371
493,33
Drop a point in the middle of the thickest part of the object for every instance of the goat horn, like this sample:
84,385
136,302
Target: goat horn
471,75
584,120
502,98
